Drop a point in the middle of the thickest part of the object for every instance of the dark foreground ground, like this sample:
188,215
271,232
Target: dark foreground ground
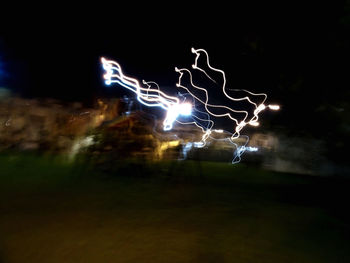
52,211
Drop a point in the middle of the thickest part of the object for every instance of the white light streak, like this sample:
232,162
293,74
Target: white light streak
202,111
147,96
274,107
252,149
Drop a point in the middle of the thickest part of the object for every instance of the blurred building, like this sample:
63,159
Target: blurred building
112,130
46,125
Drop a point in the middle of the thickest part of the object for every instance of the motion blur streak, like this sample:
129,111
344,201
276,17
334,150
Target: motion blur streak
149,94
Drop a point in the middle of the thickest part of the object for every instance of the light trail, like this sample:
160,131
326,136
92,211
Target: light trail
147,96
201,110
240,124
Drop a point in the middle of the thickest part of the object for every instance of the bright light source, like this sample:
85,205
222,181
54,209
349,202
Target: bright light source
185,109
150,94
254,123
252,149
274,107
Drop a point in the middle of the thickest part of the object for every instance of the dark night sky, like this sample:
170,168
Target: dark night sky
294,53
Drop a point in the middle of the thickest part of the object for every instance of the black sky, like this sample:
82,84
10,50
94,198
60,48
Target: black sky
261,48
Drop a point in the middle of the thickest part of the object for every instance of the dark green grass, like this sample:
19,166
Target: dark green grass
52,210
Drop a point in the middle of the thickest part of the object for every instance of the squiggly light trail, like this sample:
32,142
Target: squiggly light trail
175,108
147,96
230,111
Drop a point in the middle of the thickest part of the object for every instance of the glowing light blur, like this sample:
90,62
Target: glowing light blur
201,111
274,107
227,110
149,96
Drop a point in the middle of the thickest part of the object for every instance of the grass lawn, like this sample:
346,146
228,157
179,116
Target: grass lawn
53,211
